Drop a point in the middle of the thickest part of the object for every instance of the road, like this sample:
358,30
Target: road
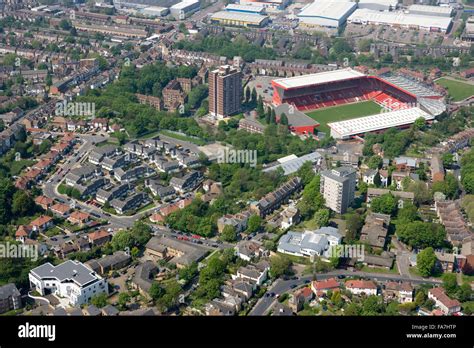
281,286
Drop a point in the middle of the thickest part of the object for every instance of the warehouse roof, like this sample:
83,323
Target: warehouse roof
318,78
327,9
399,18
433,9
251,18
245,8
184,4
392,3
379,121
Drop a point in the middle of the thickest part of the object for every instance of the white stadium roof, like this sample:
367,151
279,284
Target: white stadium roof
380,121
327,9
399,18
318,78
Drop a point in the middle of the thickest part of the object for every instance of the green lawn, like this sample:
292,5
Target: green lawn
458,90
197,141
393,270
343,112
17,166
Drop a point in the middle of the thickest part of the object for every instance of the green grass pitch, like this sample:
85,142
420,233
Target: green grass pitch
343,112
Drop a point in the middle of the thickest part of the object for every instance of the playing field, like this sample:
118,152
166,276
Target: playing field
458,90
343,112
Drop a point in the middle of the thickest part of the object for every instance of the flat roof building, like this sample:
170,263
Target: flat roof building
70,279
378,5
245,9
402,20
236,19
426,10
332,14
184,8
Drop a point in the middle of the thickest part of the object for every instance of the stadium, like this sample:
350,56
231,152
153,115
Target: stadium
371,103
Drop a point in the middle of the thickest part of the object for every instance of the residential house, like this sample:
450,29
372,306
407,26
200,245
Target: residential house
61,210
129,203
402,292
443,302
180,253
41,223
104,196
238,221
358,287
401,196
249,249
369,176
321,287
437,169
188,182
98,238
275,199
104,265
44,202
446,261
10,298
256,274
375,230
144,276
78,218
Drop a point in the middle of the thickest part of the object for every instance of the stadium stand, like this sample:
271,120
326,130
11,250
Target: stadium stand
345,86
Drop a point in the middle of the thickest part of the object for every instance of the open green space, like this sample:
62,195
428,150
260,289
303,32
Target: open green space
343,112
458,90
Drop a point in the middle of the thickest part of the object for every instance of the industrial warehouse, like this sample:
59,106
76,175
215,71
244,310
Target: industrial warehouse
401,19
331,14
239,19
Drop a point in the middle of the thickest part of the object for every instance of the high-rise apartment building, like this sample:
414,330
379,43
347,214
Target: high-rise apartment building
338,188
225,91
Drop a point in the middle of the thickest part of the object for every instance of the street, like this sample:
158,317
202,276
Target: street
281,286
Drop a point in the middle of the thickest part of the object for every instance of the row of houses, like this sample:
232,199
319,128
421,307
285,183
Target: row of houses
39,170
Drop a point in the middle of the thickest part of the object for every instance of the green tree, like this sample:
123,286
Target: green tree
228,234
280,265
420,234
426,261
321,217
99,300
283,119
385,204
254,224
450,284
156,291
23,204
375,162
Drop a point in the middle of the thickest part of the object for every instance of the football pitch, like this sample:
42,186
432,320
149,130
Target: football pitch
343,112
458,90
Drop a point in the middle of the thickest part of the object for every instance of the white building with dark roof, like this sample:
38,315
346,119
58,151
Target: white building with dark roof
71,280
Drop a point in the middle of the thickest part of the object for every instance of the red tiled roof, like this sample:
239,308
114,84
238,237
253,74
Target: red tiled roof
22,231
43,200
360,284
79,215
325,284
43,219
443,298
98,235
60,208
